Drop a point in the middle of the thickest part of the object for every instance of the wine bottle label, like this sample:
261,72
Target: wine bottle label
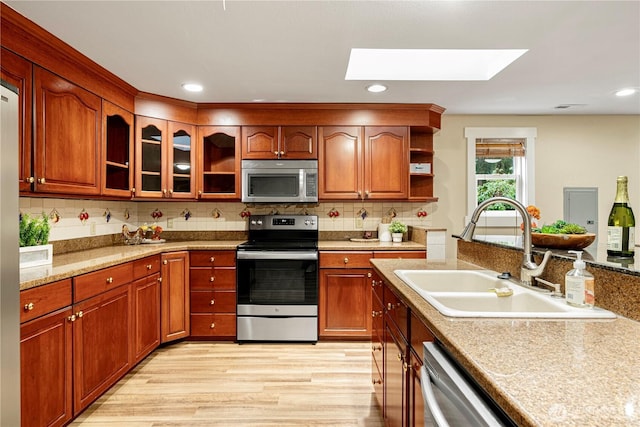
614,238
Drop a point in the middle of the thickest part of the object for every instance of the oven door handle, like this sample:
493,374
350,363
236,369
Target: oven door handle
278,255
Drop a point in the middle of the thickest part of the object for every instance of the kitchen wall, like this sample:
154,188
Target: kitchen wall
571,151
202,218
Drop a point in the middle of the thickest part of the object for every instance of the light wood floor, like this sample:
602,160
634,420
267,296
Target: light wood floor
224,384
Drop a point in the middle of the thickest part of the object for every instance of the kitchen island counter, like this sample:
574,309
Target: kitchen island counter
541,372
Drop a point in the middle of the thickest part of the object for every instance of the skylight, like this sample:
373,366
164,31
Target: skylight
429,64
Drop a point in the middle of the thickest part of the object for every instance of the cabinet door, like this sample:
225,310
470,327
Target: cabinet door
150,176
146,316
46,370
416,402
101,344
68,130
395,371
175,296
386,163
345,303
219,162
260,142
180,163
340,163
18,72
117,151
298,142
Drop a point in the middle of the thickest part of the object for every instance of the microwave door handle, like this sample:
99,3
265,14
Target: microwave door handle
430,399
278,255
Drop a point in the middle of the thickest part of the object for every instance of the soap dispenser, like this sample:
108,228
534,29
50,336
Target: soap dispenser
579,284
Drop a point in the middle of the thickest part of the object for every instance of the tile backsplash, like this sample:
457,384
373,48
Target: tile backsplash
202,215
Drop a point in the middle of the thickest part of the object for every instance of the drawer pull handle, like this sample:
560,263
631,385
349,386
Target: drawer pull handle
213,325
389,306
109,279
149,266
346,260
212,302
378,381
376,348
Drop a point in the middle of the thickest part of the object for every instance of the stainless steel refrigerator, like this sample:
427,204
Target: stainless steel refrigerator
9,260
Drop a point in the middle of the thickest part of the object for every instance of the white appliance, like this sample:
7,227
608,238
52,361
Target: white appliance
280,181
9,260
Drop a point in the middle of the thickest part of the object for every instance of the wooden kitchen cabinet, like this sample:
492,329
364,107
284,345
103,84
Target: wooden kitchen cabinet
68,135
279,142
373,163
175,296
102,353
219,162
117,151
421,152
344,295
19,72
46,370
146,307
213,295
165,159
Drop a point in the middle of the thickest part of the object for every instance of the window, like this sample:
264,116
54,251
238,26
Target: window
500,162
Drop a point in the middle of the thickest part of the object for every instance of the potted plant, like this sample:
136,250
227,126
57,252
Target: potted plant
397,229
34,241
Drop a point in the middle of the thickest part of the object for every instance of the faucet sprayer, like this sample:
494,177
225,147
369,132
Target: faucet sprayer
529,268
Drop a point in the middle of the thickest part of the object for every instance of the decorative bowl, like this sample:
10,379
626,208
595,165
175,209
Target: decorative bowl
562,241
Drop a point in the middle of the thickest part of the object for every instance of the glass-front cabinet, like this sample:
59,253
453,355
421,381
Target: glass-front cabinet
219,173
165,159
117,179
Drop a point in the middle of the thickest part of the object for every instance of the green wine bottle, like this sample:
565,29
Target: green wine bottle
621,224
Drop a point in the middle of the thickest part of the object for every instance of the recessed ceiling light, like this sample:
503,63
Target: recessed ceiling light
192,87
626,92
429,64
376,88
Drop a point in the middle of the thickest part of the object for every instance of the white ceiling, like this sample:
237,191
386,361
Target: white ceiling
580,52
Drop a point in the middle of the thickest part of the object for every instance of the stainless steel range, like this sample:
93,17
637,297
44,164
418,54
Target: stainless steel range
277,279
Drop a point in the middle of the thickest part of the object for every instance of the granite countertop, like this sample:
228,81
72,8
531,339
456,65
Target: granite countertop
541,372
80,262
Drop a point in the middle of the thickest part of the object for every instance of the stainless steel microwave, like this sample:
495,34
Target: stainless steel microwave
280,181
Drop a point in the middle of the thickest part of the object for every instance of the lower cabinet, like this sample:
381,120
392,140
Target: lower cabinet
146,307
174,296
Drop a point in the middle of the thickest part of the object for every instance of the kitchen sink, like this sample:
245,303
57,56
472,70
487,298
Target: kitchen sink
472,293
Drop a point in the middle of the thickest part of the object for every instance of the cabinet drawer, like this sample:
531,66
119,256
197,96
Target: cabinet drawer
44,299
400,254
349,259
397,311
213,302
146,266
92,284
213,258
213,325
206,279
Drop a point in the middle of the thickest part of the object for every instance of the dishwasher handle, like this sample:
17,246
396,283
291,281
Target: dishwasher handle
430,399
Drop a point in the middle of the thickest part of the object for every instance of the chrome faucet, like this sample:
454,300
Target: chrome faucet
529,269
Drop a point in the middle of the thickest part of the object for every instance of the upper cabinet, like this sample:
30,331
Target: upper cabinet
18,72
279,142
117,169
219,162
363,163
165,157
421,165
67,140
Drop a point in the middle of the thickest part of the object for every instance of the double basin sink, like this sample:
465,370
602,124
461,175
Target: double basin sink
480,293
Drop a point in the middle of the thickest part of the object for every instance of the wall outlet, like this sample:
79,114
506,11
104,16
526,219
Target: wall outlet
359,223
92,229
170,223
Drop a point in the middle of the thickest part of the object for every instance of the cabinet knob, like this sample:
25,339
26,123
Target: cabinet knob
346,260
109,279
212,259
366,194
399,356
275,153
378,381
29,307
376,347
165,262
212,278
164,191
72,318
405,367
29,180
149,266
200,192
369,275
212,302
159,279
282,153
213,325
390,306
170,192
79,314
41,181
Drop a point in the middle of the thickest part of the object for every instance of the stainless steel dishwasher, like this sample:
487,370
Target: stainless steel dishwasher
450,399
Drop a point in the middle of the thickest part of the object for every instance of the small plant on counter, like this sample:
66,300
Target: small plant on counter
34,231
397,227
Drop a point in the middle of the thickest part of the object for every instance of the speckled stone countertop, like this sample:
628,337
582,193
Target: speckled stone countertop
541,372
346,245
